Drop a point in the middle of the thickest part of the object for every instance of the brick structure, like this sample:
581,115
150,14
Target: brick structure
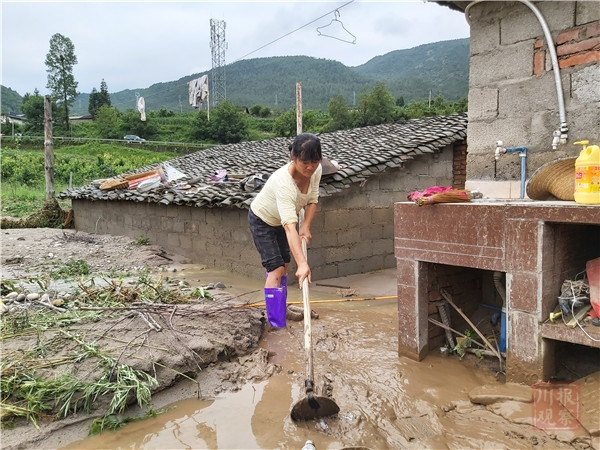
458,247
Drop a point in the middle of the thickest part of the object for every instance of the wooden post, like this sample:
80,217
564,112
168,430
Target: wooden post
298,108
48,149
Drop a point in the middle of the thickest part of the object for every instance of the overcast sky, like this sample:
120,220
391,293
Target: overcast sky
132,45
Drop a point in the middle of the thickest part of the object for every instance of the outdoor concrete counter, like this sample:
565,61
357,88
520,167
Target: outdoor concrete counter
536,245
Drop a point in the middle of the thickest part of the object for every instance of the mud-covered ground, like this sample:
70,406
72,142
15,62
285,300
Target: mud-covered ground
230,380
169,341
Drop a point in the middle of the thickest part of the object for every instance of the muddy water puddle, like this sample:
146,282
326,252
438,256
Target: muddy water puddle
386,402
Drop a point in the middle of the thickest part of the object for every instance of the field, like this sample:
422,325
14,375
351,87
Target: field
23,173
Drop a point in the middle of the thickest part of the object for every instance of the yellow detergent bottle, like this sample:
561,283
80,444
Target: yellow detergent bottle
587,174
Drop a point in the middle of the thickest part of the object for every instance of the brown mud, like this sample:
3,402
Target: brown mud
386,402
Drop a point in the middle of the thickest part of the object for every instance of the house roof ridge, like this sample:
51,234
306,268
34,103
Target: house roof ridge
360,153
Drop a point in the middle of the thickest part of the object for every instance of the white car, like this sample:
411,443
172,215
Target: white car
133,138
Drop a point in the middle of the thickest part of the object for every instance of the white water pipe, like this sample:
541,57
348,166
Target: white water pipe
562,132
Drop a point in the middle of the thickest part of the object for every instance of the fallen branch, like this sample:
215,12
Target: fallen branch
448,298
440,324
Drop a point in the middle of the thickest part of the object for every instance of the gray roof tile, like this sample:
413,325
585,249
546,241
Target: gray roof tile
361,153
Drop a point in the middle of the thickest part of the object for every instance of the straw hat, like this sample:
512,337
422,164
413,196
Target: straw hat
553,179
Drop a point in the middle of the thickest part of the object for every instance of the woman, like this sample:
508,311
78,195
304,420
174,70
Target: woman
273,219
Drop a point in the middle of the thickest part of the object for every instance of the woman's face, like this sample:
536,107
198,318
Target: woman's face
306,168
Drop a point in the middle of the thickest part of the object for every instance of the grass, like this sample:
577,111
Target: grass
20,201
141,240
27,391
71,269
23,183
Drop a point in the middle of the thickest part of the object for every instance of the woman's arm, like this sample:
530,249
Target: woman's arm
309,214
295,242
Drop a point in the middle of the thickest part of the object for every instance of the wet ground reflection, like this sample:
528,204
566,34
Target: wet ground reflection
386,402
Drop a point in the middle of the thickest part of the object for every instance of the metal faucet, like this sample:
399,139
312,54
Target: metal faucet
499,149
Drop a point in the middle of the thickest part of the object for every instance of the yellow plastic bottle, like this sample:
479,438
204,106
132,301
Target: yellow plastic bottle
587,175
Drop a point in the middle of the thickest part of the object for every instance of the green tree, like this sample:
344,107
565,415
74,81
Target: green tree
60,60
285,124
94,102
260,111
340,115
131,123
228,124
379,105
33,108
200,130
164,112
107,123
98,99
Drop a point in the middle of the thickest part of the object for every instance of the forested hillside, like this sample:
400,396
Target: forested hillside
440,68
10,100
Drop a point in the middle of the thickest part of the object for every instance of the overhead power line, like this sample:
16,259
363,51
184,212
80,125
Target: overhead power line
253,51
292,32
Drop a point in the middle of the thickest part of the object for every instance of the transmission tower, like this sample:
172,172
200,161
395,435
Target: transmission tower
218,47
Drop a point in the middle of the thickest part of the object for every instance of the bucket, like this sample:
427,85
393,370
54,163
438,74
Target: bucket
502,312
503,331
587,175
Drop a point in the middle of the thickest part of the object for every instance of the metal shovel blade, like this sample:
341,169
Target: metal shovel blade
312,407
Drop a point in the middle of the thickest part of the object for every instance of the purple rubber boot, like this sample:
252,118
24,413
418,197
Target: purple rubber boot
276,306
283,285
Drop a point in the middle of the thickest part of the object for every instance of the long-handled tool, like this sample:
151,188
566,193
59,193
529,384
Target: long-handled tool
312,405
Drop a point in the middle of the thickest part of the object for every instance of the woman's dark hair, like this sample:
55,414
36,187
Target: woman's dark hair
306,147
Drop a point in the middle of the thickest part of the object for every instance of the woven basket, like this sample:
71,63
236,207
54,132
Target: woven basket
555,179
113,183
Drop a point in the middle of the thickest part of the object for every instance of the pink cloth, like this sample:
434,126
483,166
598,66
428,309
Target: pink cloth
427,192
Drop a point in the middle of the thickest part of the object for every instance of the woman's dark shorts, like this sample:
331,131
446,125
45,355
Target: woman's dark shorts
271,243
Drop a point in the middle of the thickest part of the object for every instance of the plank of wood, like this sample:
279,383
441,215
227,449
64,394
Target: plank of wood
578,316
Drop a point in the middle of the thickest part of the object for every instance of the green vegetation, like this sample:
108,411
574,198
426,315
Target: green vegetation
23,177
440,68
71,269
99,99
37,384
11,100
141,240
60,60
96,149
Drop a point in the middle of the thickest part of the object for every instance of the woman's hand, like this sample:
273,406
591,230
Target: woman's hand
303,272
305,234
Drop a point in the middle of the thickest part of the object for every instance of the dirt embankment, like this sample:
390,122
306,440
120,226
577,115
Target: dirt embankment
167,339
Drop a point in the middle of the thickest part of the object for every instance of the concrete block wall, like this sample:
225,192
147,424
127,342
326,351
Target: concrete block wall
352,232
512,91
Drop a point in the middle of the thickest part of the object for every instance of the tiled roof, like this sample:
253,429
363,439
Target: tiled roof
360,153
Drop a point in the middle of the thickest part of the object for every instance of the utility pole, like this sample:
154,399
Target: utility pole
298,108
48,149
218,47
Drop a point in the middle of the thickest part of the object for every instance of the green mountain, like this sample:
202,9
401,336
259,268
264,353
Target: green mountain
10,101
440,68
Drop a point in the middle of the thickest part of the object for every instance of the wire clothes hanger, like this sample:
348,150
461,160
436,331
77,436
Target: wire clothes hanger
335,20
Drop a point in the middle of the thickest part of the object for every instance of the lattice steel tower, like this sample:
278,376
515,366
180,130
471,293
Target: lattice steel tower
218,47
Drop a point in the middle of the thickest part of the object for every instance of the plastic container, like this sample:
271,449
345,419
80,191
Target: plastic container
502,313
592,268
587,175
503,331
309,445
